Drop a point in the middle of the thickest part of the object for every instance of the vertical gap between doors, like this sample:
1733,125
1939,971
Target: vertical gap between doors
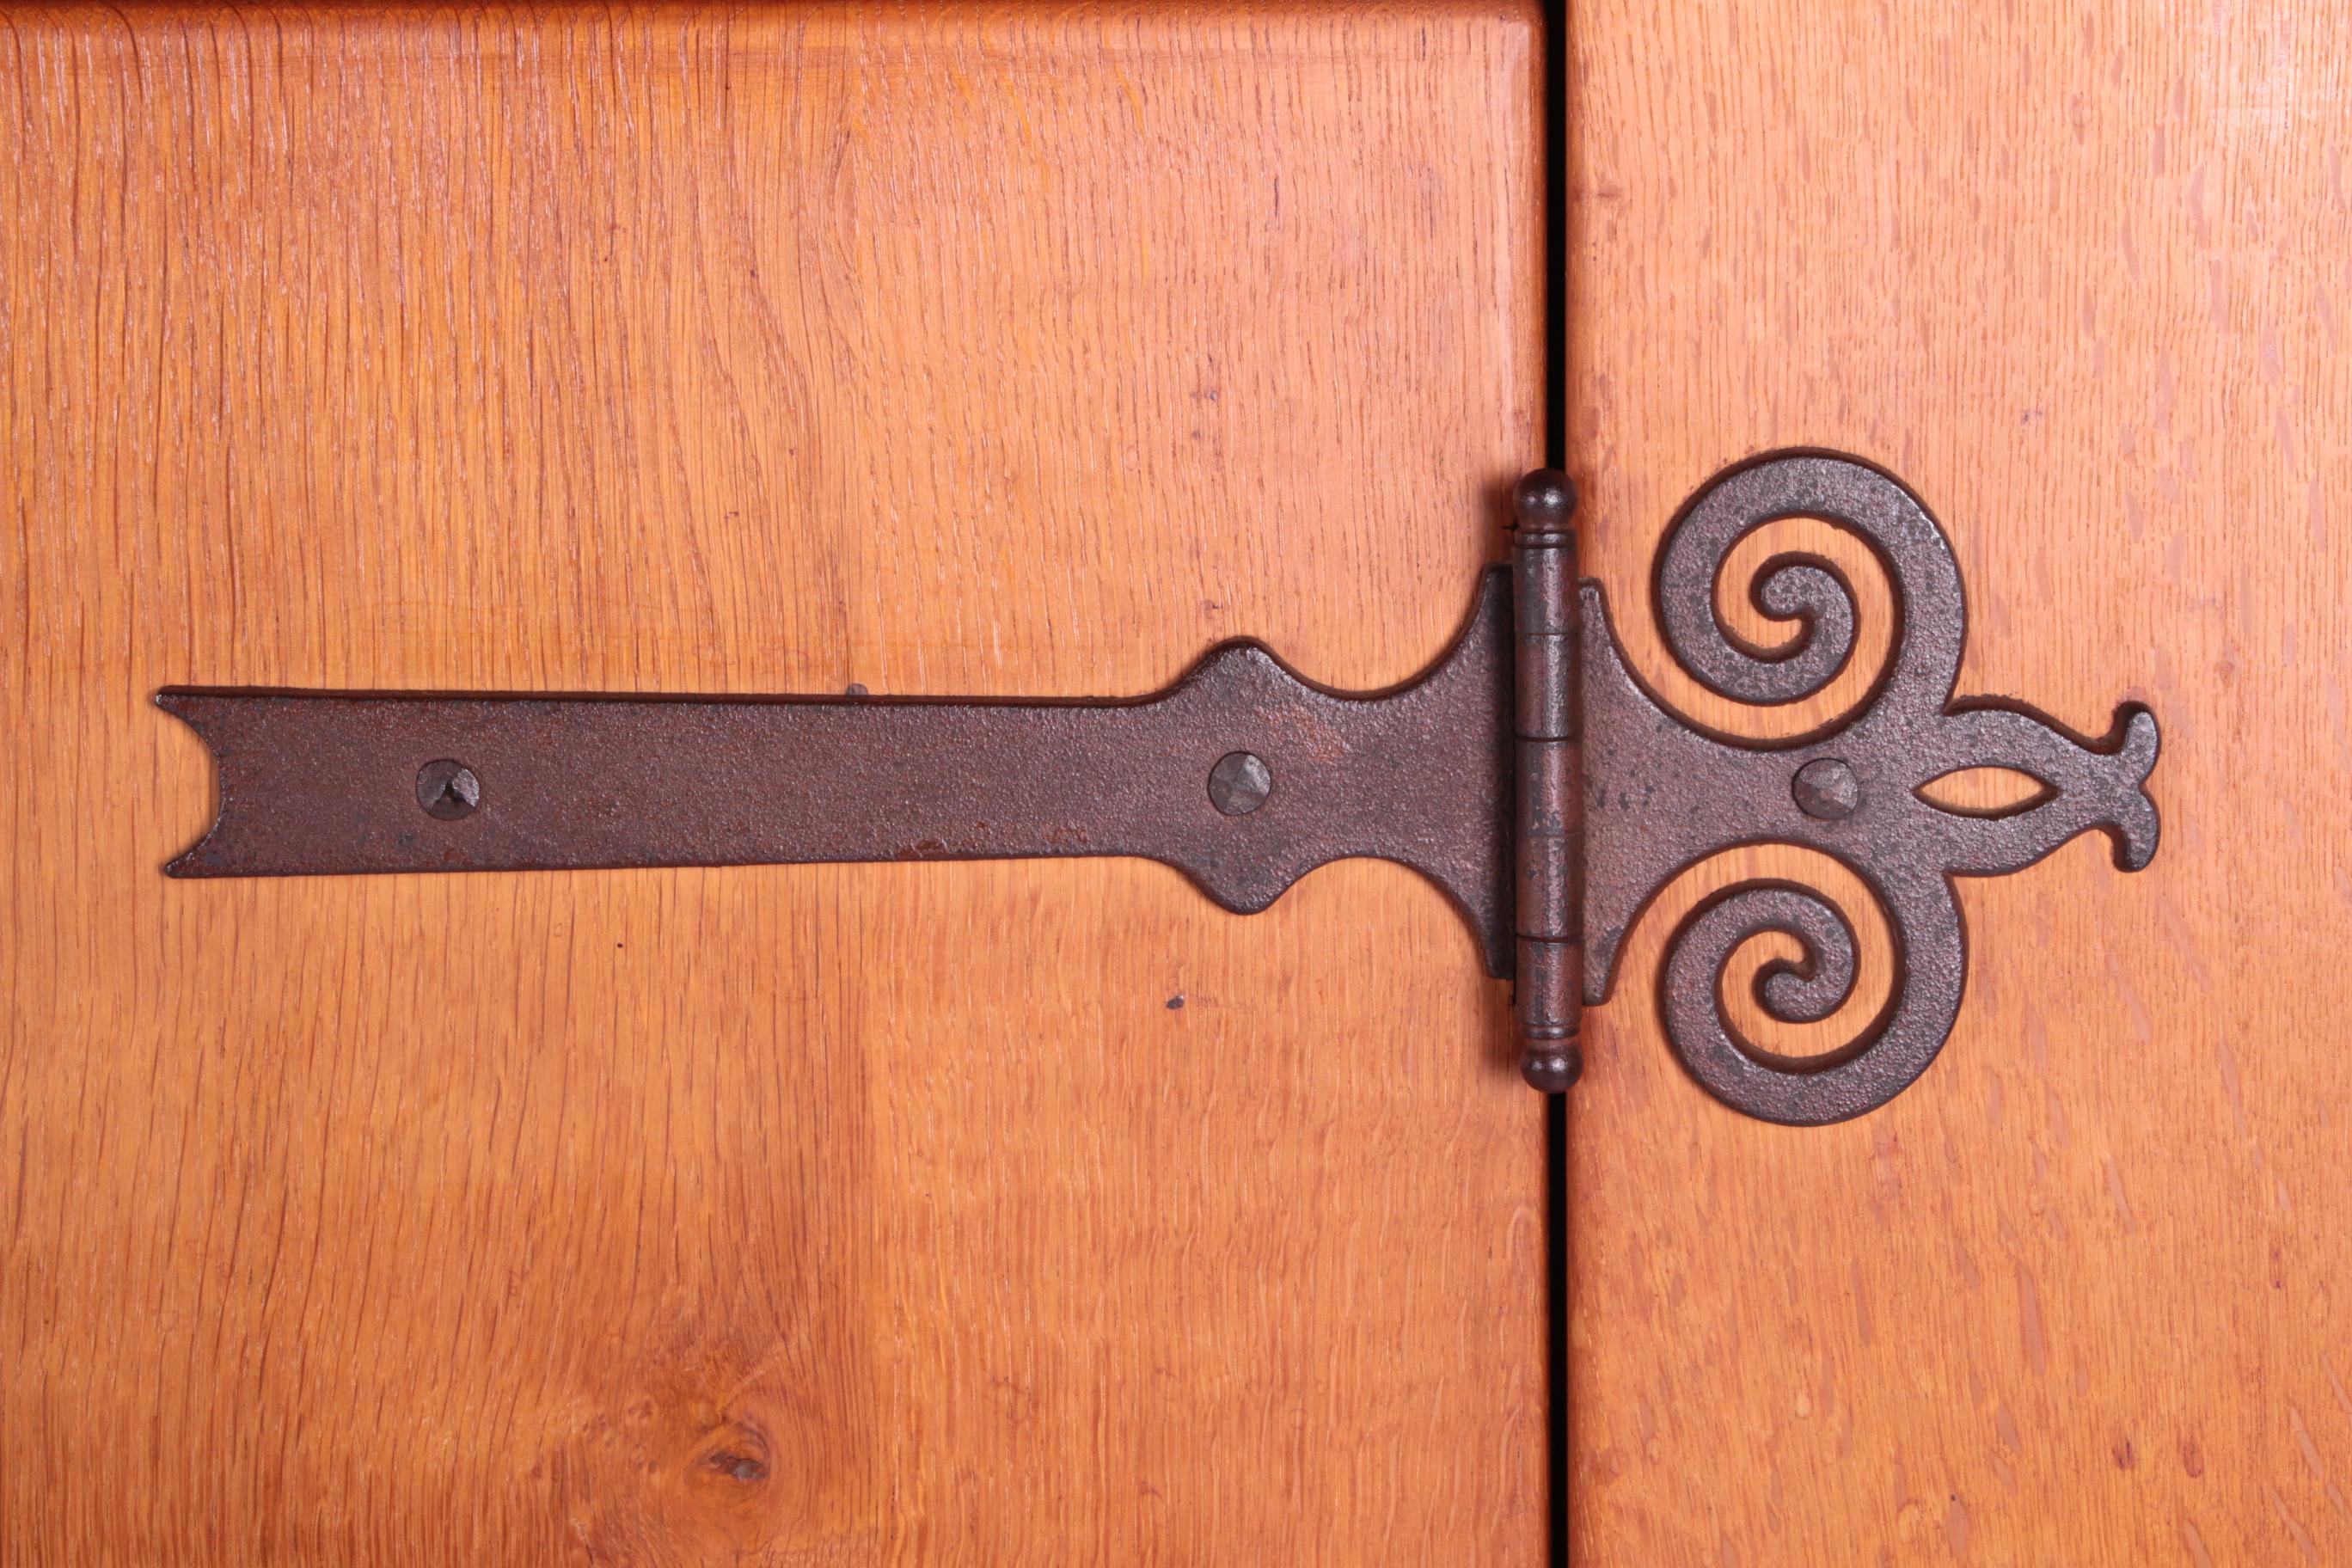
1555,402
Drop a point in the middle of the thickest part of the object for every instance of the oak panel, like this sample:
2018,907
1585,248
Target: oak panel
977,1214
2078,274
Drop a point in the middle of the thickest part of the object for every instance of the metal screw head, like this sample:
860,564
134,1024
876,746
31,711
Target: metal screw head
1239,783
1826,789
447,790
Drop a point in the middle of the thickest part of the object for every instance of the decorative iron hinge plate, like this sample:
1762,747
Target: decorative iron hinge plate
1528,772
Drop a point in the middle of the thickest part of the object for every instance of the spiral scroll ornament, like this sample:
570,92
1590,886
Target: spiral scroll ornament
1663,794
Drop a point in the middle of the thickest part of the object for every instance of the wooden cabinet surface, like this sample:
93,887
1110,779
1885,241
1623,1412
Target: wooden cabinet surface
2078,274
1043,1212
931,1214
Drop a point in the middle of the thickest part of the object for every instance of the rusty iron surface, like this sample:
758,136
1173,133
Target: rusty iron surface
1662,794
1528,772
1242,775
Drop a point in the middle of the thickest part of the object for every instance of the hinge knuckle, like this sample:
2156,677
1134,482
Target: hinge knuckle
1548,817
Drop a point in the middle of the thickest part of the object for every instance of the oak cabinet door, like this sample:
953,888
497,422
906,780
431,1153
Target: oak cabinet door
990,1213
1043,1212
2078,275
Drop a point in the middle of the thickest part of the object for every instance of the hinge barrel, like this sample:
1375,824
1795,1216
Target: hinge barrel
1548,819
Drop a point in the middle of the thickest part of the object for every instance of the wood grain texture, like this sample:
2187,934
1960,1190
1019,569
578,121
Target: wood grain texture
2078,274
922,1215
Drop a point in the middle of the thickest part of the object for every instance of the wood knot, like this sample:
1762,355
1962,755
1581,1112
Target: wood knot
738,1450
737,1466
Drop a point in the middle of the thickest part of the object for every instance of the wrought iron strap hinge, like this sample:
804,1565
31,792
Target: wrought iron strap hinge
1528,771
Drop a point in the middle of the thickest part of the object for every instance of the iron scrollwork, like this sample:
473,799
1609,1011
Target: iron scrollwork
1663,794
